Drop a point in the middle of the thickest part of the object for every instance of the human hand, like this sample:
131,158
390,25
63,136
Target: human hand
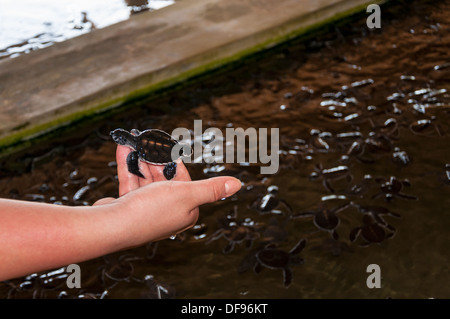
158,208
147,210
152,173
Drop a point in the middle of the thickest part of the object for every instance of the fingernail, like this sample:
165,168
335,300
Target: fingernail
232,186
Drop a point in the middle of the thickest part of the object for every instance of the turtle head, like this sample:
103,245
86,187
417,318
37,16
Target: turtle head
122,137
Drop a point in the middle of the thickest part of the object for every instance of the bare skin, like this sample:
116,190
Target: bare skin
38,236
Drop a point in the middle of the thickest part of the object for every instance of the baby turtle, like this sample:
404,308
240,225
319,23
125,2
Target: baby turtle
371,232
152,146
324,218
376,212
330,174
274,258
392,187
235,232
270,202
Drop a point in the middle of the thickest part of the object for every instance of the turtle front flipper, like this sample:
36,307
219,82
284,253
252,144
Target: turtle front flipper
287,277
133,164
170,170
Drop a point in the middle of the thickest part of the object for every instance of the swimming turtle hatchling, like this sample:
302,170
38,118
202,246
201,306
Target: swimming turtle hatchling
152,146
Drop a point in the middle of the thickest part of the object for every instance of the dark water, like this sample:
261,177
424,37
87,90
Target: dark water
389,88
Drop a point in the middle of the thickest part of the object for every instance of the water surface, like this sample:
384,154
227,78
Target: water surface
29,25
386,90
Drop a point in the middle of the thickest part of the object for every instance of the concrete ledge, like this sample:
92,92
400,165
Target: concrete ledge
81,77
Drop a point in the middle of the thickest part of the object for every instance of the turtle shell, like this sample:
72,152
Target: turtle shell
273,258
155,147
326,220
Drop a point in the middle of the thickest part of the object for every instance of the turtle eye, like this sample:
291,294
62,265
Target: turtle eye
118,138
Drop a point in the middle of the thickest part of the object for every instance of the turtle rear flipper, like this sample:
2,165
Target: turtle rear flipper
257,268
170,170
298,247
133,164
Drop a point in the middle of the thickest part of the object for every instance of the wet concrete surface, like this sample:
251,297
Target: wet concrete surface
372,103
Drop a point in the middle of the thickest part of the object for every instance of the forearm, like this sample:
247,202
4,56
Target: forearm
37,236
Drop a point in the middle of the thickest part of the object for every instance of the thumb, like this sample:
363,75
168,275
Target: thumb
209,190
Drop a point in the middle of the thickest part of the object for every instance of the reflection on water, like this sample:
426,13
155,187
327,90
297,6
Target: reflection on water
28,25
364,177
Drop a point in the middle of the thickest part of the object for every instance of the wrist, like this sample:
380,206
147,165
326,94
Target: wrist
111,224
